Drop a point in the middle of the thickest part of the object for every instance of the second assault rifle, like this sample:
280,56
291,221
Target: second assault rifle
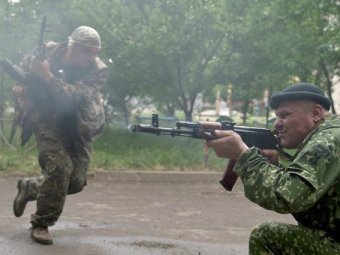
39,93
19,75
253,137
37,89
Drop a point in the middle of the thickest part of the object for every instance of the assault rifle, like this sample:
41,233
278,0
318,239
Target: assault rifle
253,137
37,88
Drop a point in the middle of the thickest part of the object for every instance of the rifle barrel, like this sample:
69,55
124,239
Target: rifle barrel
166,131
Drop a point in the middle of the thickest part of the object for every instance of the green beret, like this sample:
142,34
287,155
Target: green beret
300,91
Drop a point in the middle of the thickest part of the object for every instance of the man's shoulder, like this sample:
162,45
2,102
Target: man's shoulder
326,134
331,121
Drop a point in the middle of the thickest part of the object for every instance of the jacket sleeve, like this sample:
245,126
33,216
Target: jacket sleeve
84,89
296,187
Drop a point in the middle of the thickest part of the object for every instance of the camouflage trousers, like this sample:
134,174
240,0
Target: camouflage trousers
280,238
64,164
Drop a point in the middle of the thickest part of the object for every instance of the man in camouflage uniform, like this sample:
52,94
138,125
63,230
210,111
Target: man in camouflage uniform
308,187
64,111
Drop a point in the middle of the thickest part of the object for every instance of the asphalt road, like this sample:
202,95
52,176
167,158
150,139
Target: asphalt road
140,214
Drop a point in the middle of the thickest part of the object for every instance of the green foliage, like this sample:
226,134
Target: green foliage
166,53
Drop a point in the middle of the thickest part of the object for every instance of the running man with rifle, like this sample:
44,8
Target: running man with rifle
62,106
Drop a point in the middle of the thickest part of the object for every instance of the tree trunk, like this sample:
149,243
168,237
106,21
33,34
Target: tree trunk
188,115
329,84
244,112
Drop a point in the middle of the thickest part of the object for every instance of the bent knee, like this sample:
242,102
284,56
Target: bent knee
262,230
76,185
269,230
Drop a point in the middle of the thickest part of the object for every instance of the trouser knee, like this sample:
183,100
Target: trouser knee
260,238
77,184
261,231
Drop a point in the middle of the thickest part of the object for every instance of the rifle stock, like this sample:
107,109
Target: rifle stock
253,137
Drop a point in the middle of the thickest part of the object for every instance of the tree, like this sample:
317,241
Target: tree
278,42
168,50
293,40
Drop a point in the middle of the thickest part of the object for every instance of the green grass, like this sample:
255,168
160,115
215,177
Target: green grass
18,161
121,150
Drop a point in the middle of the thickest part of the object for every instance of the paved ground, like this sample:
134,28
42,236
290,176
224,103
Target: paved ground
140,213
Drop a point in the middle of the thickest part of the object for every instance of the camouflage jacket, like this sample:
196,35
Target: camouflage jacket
72,99
308,187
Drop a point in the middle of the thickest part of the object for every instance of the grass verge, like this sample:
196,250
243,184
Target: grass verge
121,150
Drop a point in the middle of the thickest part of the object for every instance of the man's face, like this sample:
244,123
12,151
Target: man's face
83,56
294,121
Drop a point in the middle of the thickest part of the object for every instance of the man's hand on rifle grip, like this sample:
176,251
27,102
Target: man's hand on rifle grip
228,144
41,68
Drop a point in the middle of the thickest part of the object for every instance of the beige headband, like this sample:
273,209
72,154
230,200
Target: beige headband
87,36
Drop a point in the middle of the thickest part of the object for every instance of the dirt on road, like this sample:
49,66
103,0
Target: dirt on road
140,214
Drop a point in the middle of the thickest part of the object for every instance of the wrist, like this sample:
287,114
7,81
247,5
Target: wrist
244,149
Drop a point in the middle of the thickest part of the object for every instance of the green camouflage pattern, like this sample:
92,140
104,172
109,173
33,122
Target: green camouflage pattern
287,239
68,114
64,165
308,187
72,98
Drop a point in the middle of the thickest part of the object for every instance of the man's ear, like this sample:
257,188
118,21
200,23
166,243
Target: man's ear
318,112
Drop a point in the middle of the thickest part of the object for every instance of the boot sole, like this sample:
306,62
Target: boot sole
16,213
40,241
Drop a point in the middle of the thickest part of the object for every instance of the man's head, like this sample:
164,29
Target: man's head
298,109
86,36
83,46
